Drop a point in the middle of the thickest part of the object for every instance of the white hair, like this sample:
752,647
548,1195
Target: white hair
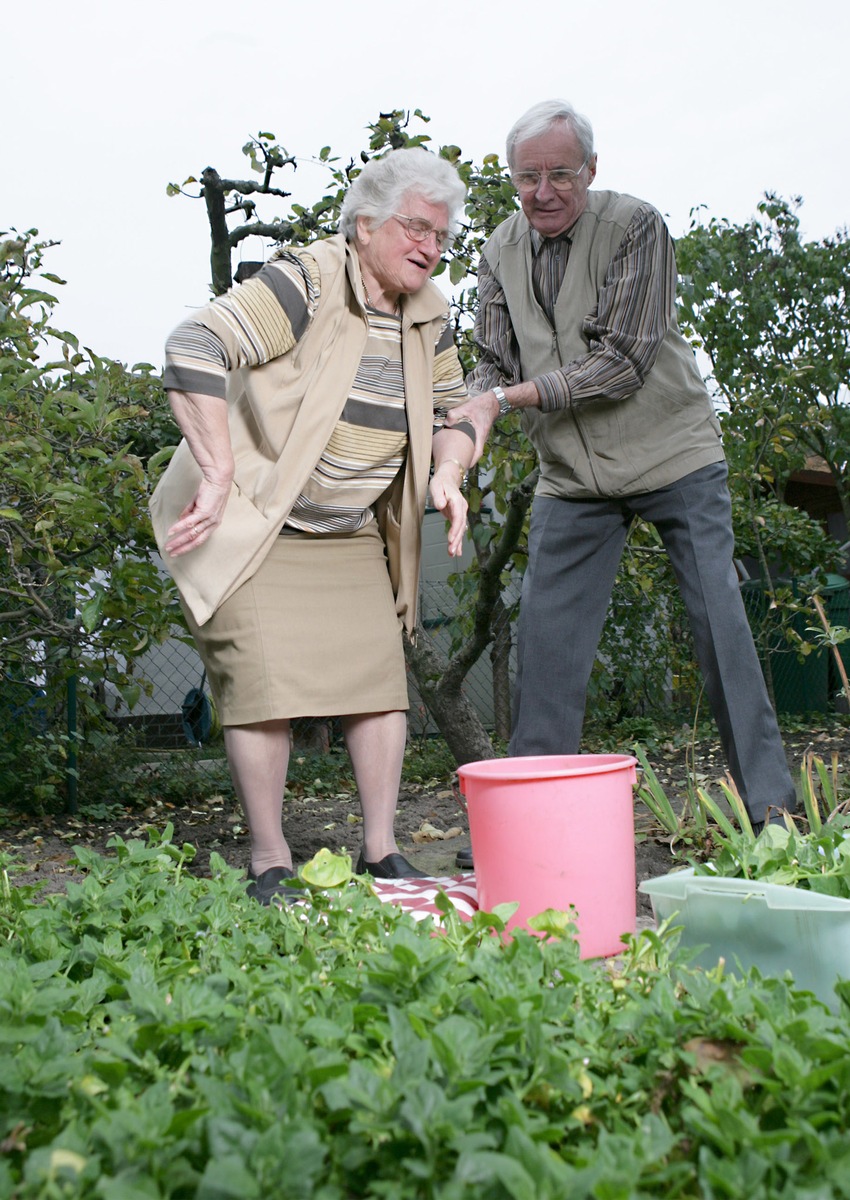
539,120
378,190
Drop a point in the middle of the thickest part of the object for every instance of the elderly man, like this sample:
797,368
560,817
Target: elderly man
577,328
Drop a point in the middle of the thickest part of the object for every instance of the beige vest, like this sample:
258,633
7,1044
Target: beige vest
663,431
281,416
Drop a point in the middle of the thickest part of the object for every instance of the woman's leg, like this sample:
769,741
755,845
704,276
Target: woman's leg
258,756
376,743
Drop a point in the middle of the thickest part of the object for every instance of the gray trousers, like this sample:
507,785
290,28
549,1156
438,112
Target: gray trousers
575,548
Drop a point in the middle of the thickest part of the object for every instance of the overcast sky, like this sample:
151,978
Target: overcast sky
106,103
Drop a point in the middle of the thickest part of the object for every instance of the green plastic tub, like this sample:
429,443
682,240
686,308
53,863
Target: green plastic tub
765,925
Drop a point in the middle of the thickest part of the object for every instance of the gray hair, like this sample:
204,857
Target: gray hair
381,186
539,120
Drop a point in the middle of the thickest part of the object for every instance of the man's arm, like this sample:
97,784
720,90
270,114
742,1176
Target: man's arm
498,362
635,310
493,334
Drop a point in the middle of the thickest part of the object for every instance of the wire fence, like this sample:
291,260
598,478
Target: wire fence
175,723
176,710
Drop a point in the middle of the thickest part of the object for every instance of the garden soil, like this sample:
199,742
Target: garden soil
431,824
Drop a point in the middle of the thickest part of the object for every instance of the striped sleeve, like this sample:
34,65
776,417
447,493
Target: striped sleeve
629,324
250,325
498,352
449,387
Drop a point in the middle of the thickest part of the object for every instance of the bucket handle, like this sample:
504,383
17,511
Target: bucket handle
457,791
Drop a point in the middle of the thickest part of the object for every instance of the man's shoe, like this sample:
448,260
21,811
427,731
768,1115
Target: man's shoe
463,859
270,886
394,866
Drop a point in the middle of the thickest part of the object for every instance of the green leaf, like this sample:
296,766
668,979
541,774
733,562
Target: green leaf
327,870
92,610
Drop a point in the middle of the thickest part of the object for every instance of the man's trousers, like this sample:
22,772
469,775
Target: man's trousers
575,548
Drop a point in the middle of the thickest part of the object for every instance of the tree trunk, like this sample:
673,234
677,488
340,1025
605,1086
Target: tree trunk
453,714
440,680
500,661
219,233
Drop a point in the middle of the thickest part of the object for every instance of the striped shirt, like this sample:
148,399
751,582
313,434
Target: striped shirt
267,315
625,329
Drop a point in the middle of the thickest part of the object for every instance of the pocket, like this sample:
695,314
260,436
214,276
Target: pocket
391,533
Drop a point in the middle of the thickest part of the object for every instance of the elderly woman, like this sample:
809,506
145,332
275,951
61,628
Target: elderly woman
312,400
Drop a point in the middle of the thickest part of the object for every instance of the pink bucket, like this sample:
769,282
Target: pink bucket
554,831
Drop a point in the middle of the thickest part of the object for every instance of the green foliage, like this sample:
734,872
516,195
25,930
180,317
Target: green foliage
167,1037
320,774
428,761
810,849
79,592
33,767
817,861
797,544
770,311
447,1066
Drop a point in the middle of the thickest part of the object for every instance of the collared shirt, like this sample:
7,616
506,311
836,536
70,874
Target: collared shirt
624,331
548,267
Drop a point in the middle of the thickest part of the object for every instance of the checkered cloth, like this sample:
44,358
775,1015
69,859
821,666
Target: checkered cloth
417,896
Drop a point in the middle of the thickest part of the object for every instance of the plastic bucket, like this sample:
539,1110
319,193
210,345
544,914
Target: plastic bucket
554,831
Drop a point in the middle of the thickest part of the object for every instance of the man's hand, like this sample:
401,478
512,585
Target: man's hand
480,412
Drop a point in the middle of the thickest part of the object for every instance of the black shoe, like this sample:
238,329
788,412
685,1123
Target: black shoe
271,886
394,866
463,859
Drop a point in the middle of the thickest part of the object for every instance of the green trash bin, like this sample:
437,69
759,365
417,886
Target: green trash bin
799,686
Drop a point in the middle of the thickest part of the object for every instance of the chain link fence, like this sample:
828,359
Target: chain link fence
174,726
176,711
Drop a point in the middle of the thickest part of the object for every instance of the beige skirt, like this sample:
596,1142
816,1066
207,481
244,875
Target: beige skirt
314,633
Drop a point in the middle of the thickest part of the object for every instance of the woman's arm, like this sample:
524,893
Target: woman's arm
248,326
453,454
203,423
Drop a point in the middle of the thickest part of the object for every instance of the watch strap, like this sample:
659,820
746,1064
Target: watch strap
504,406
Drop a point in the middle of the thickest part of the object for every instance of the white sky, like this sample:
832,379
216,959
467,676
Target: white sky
106,103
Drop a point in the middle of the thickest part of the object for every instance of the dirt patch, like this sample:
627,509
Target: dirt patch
45,848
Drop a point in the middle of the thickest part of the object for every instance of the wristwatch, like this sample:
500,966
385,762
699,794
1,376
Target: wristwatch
504,406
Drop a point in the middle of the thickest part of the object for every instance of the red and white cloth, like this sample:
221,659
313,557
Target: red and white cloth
418,896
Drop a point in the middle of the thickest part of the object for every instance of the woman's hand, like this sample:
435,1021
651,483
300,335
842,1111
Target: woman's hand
446,497
198,519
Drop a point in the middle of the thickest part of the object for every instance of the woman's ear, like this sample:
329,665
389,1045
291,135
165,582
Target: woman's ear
364,230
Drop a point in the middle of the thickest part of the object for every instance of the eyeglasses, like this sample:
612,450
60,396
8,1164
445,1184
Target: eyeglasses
419,230
562,179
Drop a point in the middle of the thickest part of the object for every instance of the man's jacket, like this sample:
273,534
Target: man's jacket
603,447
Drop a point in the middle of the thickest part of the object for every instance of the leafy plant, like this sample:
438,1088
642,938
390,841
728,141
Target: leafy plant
818,861
80,595
166,1037
810,850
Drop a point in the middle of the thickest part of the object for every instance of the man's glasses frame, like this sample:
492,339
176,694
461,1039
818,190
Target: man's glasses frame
562,179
